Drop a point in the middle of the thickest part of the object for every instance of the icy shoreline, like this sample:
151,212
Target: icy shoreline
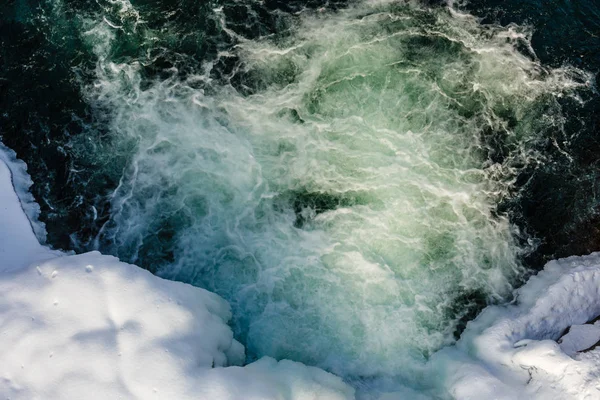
90,326
511,352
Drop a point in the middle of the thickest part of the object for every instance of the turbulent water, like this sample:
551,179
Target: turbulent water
333,170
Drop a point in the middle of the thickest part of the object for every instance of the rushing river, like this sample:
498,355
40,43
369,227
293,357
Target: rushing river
333,170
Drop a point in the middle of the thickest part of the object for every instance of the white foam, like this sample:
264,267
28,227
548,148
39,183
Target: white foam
368,110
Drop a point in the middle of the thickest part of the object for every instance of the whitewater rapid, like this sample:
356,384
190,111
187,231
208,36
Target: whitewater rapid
337,185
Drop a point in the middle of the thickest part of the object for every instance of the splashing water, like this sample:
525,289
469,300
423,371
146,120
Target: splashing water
339,186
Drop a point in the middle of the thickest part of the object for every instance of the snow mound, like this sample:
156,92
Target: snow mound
511,352
18,243
101,326
89,326
21,182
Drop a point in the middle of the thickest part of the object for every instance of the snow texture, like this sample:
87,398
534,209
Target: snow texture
580,338
18,243
511,352
21,182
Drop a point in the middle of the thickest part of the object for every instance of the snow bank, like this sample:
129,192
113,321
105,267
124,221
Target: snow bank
89,326
511,352
18,244
21,182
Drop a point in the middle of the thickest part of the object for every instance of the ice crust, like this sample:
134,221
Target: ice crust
580,338
18,243
21,183
90,326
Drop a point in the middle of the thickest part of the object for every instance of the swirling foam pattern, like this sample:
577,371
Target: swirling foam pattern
338,187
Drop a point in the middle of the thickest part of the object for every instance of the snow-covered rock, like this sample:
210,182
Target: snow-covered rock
86,325
511,352
580,338
91,327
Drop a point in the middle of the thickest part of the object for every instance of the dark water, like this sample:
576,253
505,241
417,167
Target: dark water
80,139
42,107
558,200
44,63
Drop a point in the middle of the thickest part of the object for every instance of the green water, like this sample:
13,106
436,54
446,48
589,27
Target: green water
337,185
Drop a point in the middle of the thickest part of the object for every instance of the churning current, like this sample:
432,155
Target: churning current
336,182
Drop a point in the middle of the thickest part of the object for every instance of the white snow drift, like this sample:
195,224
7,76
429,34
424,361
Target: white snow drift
89,326
510,352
